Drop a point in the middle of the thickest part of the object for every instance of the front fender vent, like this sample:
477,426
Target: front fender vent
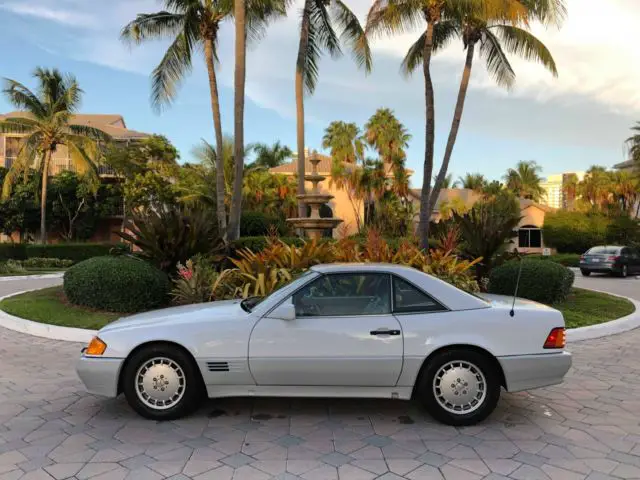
218,366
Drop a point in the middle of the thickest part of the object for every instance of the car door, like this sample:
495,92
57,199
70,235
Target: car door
343,334
634,260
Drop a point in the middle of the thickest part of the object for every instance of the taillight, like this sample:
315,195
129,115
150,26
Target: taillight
612,258
556,339
581,257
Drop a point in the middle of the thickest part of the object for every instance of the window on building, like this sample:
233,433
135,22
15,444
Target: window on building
529,236
11,150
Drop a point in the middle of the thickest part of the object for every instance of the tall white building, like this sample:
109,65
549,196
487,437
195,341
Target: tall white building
554,189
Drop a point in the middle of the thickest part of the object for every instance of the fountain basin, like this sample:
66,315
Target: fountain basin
314,198
315,223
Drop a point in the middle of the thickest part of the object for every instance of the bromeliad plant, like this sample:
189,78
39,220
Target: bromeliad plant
197,281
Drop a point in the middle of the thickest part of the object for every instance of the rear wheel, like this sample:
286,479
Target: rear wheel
624,271
161,382
460,387
585,273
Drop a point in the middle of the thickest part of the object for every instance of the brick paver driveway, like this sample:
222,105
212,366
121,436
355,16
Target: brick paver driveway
587,428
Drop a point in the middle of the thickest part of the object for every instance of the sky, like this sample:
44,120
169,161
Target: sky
565,124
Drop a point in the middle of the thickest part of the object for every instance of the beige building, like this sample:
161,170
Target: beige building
554,189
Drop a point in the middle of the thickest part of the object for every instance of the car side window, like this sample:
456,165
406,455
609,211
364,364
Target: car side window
338,295
626,252
409,299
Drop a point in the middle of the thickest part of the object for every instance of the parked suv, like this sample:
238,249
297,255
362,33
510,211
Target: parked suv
617,260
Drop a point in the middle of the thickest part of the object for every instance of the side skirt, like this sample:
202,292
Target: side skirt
220,391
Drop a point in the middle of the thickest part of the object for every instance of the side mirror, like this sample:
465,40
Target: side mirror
286,311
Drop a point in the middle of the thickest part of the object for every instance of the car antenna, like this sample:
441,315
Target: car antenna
515,293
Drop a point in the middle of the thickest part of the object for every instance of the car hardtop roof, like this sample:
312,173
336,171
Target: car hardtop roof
360,267
607,246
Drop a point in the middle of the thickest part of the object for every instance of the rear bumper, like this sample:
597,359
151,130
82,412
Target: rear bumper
524,372
600,267
100,375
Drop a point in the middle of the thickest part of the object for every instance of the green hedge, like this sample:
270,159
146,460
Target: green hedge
575,232
544,282
566,259
13,251
116,284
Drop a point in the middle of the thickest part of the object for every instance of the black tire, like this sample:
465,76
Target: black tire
193,384
624,271
482,362
585,273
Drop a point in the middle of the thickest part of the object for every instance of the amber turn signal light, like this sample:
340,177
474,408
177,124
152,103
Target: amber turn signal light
96,347
556,339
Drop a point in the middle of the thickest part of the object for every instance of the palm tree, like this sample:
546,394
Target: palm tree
626,188
633,143
570,190
473,181
270,156
399,16
317,34
524,180
596,187
193,25
47,124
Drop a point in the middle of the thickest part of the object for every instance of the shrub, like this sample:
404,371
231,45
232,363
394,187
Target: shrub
623,230
116,284
46,263
544,282
574,232
167,235
10,267
565,259
257,244
253,224
69,251
13,251
198,281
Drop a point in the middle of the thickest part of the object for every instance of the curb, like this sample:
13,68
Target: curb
69,334
32,277
44,330
613,327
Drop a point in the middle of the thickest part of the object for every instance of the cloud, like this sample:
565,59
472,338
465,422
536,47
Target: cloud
65,17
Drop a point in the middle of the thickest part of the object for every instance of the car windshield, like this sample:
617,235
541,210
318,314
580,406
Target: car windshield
248,304
603,251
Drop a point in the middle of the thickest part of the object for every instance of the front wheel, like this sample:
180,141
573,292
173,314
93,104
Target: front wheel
585,273
161,382
460,387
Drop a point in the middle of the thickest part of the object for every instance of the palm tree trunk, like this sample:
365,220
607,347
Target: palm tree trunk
455,125
217,125
238,119
425,203
304,42
43,197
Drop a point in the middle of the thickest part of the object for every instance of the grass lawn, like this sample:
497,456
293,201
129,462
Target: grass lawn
585,307
49,305
32,271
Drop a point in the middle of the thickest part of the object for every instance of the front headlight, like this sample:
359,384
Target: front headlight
95,347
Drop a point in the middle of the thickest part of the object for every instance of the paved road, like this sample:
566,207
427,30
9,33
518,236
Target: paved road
589,427
629,287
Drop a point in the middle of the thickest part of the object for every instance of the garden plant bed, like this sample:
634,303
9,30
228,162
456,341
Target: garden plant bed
586,307
49,305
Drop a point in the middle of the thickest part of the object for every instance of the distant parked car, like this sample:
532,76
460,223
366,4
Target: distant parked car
372,330
610,259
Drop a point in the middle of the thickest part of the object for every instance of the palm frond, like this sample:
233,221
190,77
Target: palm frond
167,76
90,132
159,25
353,34
387,17
11,126
443,33
497,62
81,159
325,35
549,12
413,59
22,98
26,157
259,14
522,43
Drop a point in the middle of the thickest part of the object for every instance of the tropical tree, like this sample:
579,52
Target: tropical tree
194,25
269,156
595,189
570,189
444,19
473,181
318,24
524,180
46,125
626,189
633,143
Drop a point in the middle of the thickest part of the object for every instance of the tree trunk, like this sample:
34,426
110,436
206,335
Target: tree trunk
425,203
221,211
302,48
43,197
455,125
238,119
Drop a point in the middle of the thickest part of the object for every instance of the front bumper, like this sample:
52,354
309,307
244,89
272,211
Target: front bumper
100,375
524,372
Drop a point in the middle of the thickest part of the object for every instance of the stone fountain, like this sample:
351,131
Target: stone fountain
314,225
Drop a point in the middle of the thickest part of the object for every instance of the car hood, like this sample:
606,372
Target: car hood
506,301
210,312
